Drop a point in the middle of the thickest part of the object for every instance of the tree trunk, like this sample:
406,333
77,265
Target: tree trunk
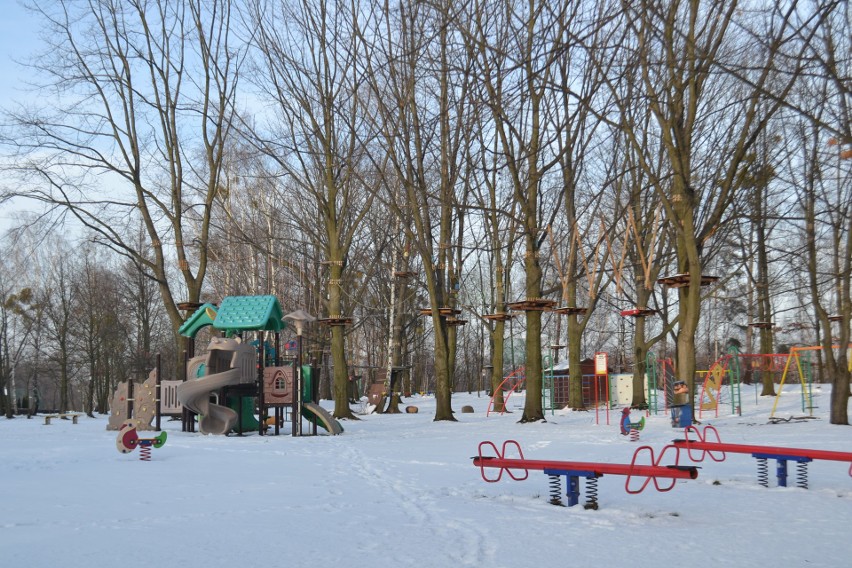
443,390
533,410
575,366
640,353
340,383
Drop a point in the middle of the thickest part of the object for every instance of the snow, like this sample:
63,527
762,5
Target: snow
401,490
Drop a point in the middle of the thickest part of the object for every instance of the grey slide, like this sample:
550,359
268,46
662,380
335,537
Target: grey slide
194,394
313,412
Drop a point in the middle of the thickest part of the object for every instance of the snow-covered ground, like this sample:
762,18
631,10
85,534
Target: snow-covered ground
401,490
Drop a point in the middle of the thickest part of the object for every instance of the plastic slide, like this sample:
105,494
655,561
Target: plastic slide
194,394
318,414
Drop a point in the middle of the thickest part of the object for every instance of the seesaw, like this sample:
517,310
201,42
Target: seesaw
716,449
518,469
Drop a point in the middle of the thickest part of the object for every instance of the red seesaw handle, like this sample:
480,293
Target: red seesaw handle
508,445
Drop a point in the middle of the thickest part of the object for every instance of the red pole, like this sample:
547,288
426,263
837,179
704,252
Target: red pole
595,388
752,449
676,472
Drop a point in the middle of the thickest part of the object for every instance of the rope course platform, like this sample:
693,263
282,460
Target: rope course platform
571,310
532,305
499,316
681,280
638,312
335,321
444,312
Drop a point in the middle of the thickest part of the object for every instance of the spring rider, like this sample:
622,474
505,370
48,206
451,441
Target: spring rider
128,440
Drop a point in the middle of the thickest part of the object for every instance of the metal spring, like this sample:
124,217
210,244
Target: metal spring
145,453
591,493
762,472
634,435
555,484
802,474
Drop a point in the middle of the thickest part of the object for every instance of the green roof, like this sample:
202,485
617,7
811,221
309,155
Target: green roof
258,313
202,317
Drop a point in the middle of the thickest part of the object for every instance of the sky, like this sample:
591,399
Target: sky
18,40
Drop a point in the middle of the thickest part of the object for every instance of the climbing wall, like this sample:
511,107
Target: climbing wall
144,401
118,406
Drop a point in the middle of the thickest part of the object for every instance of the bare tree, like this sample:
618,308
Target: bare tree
494,202
99,329
516,47
59,299
311,63
824,101
16,326
588,171
140,98
707,123
417,71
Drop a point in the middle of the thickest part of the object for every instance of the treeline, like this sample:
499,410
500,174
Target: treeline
74,322
434,178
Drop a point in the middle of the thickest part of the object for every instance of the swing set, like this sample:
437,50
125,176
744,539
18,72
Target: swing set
725,377
803,367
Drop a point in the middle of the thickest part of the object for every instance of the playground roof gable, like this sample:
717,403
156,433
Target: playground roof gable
252,313
202,317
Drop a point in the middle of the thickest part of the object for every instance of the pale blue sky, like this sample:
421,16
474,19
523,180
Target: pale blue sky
18,40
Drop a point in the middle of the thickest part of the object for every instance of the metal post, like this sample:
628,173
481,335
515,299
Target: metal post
781,471
158,390
131,392
297,378
299,318
261,362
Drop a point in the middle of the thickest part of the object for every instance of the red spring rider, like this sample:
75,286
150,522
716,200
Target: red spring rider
128,440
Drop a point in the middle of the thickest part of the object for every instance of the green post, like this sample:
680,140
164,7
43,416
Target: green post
807,392
651,374
547,399
734,380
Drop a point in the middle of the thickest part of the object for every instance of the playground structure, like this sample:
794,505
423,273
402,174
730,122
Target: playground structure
226,373
134,401
231,382
236,373
723,374
513,382
145,403
518,467
804,369
709,444
660,376
720,385
722,382
595,390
